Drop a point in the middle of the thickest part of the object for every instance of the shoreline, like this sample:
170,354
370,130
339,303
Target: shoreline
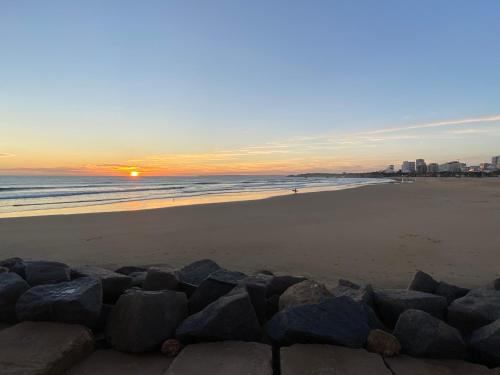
379,234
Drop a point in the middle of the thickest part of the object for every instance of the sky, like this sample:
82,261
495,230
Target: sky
246,87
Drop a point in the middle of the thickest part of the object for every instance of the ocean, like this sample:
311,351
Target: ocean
44,195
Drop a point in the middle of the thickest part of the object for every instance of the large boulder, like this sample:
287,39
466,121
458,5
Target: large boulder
138,278
43,348
281,283
359,293
303,293
231,317
423,282
78,302
113,283
160,278
45,272
383,343
14,265
484,344
390,303
477,308
192,275
450,292
142,320
214,286
257,287
338,320
127,270
12,286
422,335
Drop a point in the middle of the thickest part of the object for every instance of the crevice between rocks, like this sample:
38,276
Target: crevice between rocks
276,360
387,365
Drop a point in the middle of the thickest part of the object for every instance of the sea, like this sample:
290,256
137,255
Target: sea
47,195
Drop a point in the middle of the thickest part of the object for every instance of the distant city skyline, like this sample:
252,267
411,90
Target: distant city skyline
235,87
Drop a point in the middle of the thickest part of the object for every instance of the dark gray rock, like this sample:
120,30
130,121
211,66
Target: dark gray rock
423,282
303,293
12,286
485,344
450,292
390,303
359,293
281,283
231,317
127,270
46,272
3,269
78,302
103,318
214,286
422,335
137,279
142,320
477,308
163,278
338,321
11,263
113,284
194,273
495,284
256,287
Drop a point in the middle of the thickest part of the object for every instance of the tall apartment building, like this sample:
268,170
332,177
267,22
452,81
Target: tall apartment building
408,167
495,160
420,166
433,168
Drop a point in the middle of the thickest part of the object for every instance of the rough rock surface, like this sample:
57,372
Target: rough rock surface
314,359
127,270
360,293
231,317
78,302
485,344
477,308
45,272
390,303
383,343
194,273
163,278
339,321
3,269
35,348
450,292
422,335
214,286
171,347
423,282
281,283
113,283
303,293
143,320
257,287
12,286
223,358
138,278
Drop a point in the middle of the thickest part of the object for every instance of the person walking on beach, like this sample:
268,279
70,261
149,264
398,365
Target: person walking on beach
295,191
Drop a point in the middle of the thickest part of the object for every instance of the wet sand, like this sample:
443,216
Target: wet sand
379,234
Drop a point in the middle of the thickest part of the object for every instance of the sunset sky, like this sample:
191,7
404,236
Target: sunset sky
246,87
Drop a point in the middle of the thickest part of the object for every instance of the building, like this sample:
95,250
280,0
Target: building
495,160
433,168
389,169
485,166
451,167
408,167
420,166
474,168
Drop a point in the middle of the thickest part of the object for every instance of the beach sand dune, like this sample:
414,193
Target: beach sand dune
379,234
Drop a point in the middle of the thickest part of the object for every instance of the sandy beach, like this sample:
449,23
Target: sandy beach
379,234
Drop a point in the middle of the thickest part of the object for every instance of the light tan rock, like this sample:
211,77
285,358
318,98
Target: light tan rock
112,362
223,358
314,359
43,348
406,365
383,343
302,293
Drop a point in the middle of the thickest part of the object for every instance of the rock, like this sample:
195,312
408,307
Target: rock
113,284
231,317
77,302
485,344
450,292
383,343
12,286
13,265
477,308
223,358
265,272
423,282
495,284
214,286
390,303
45,272
127,270
103,318
142,320
422,335
281,283
137,279
171,347
3,269
314,359
36,348
338,320
194,273
257,287
356,292
303,293
160,279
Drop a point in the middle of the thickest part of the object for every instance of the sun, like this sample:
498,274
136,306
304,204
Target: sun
134,174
